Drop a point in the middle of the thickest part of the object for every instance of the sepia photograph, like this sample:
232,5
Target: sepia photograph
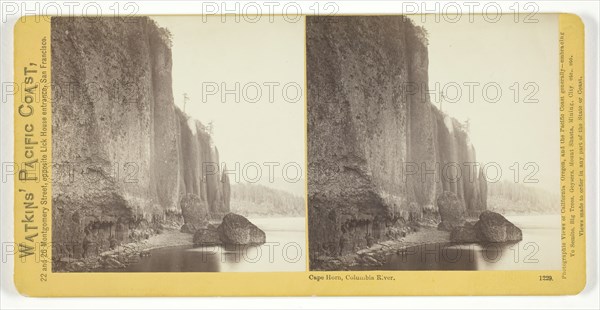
300,149
179,144
251,150
433,144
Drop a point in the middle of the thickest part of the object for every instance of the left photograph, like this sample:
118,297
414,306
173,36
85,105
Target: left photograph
178,144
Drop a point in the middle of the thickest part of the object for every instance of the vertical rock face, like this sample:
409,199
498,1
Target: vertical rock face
357,137
226,191
457,164
452,211
124,154
483,192
195,213
379,152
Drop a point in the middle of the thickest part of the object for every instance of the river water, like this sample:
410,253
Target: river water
540,249
285,250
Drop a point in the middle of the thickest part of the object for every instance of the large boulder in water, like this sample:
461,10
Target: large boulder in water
195,213
452,211
493,227
236,229
207,236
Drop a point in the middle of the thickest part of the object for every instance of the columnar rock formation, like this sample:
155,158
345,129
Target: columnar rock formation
124,154
379,152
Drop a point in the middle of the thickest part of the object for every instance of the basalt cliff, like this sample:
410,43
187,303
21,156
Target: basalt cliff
124,155
380,153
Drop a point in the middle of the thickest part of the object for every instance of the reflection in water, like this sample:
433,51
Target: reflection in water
539,250
448,256
176,259
284,251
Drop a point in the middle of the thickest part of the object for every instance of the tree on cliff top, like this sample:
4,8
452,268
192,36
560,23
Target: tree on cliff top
422,34
163,33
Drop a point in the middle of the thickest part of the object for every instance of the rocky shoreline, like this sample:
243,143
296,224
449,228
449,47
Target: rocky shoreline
376,255
124,255
232,229
490,227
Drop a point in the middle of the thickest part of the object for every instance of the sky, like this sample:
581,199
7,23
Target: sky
266,124
499,55
520,124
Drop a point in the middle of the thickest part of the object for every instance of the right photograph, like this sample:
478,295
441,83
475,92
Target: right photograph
433,142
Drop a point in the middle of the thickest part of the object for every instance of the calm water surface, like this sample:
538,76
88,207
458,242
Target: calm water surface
539,250
285,250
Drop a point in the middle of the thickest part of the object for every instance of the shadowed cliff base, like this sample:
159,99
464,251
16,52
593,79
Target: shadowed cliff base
370,140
